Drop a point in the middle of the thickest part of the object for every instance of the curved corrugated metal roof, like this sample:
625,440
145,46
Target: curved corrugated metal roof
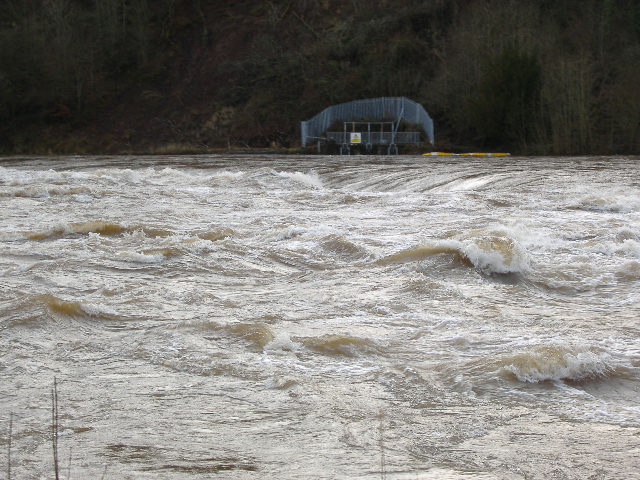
397,108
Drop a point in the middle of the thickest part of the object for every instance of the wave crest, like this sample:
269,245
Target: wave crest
341,247
103,228
310,179
495,254
216,234
334,344
608,202
558,363
257,334
77,309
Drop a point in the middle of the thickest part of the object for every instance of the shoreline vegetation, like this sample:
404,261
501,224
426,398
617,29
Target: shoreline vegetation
192,149
197,151
177,76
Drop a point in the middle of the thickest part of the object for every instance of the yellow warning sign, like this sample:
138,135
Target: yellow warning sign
356,137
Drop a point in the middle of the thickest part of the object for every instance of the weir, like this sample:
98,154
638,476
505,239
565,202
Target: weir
368,124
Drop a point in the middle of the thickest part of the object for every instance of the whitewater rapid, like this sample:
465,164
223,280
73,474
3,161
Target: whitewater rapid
321,317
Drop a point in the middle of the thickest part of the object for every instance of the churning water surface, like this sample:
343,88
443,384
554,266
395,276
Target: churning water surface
310,317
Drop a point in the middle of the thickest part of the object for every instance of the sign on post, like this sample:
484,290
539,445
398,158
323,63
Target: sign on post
356,137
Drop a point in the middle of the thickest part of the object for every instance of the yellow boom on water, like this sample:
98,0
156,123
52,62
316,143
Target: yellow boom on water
471,154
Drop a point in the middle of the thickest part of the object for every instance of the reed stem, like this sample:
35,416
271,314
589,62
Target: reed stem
54,426
9,446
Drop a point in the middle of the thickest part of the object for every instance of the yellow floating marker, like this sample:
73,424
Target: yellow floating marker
470,154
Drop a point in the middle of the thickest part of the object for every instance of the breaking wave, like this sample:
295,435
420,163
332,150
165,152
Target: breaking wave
99,227
614,203
76,309
281,343
39,191
258,335
137,257
630,247
559,363
216,234
310,179
334,344
329,344
495,254
340,247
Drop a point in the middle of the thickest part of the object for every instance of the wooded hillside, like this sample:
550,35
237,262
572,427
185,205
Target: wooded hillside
528,76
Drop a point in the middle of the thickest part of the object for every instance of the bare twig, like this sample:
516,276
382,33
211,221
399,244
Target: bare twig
9,446
308,27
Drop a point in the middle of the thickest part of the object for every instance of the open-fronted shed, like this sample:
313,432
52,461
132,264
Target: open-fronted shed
368,123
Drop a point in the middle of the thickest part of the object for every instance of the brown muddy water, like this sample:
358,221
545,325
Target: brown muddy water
310,317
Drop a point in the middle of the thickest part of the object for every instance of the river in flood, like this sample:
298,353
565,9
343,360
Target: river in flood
320,317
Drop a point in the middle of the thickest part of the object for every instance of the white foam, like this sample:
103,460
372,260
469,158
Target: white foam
499,249
308,179
200,246
15,177
119,176
136,257
227,176
473,183
631,247
82,198
615,202
289,232
512,258
97,310
11,237
131,176
282,343
445,474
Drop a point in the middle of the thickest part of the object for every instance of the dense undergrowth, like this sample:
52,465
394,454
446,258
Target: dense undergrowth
530,76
